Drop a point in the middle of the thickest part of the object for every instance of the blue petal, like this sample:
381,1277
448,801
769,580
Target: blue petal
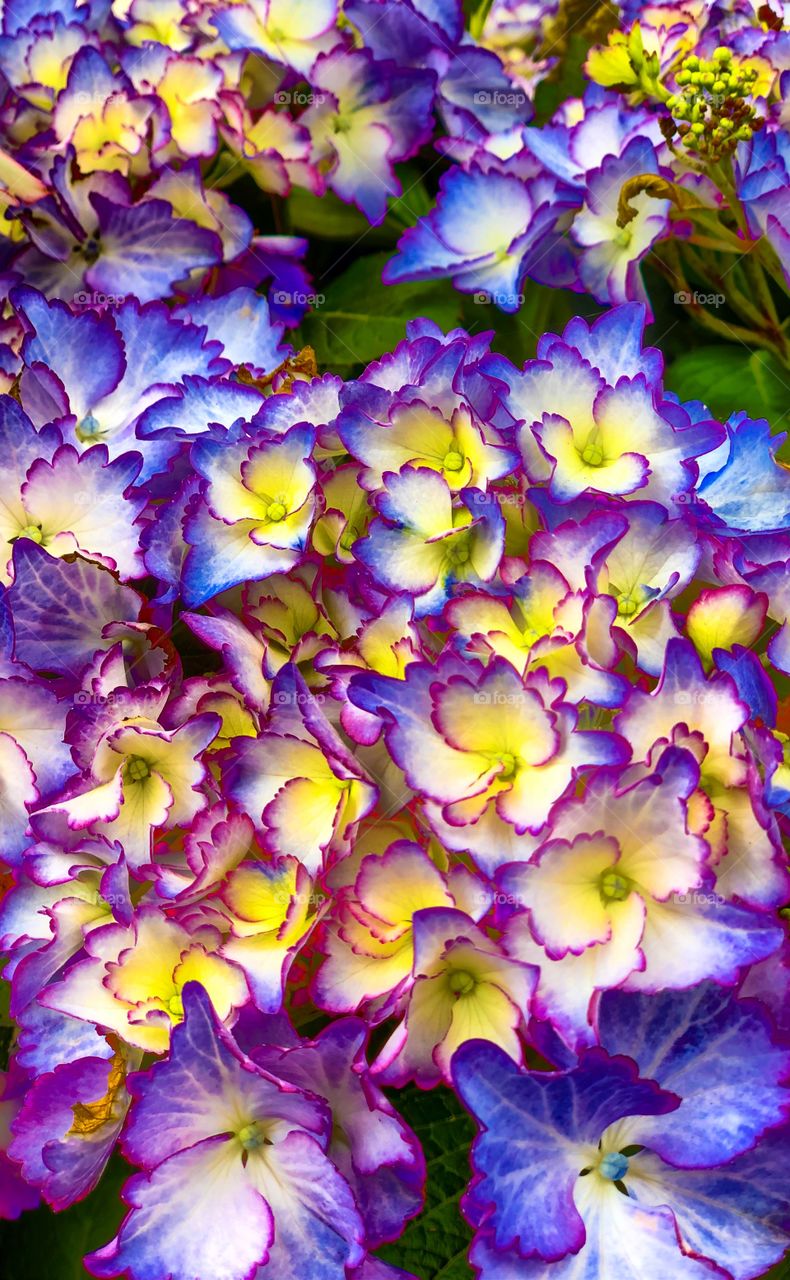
717,1052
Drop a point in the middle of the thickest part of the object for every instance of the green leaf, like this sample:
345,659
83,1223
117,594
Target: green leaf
434,1245
328,218
414,203
477,19
42,1245
358,317
779,1272
566,81
728,379
516,335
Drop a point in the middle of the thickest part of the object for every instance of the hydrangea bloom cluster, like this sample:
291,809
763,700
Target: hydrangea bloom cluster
472,774
123,123
677,148
420,730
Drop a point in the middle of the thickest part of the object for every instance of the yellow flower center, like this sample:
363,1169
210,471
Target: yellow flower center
458,553
453,461
275,512
614,887
175,1007
88,429
626,605
592,454
508,762
33,532
137,769
461,982
252,1136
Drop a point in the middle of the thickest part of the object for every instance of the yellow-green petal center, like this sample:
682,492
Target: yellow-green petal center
461,982
32,531
137,769
614,886
592,454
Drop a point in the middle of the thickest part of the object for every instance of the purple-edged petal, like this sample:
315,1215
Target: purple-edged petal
184,1214
61,609
717,1052
535,1130
66,1165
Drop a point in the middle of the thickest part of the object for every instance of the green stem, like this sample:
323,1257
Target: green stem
707,270
760,284
478,19
671,267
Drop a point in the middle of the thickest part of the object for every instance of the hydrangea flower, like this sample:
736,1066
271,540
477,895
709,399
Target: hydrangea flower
607,1198
365,116
255,1143
416,724
490,251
